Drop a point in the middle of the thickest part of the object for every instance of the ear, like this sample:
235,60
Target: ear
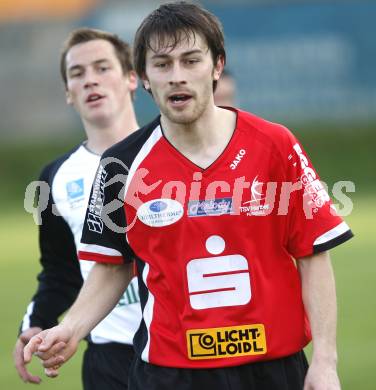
145,83
133,80
218,68
68,98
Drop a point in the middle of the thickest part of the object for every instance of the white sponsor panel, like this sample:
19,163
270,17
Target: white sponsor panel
160,212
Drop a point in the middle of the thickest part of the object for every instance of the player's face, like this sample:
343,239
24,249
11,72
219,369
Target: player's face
96,84
181,80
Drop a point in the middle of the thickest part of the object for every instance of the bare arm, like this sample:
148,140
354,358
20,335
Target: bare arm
319,297
99,294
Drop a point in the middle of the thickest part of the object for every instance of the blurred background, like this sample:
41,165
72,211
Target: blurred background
309,64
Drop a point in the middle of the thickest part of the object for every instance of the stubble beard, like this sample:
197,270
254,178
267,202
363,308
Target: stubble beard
191,115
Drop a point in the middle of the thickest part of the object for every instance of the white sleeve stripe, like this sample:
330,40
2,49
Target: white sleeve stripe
153,139
101,250
147,315
155,136
26,319
331,234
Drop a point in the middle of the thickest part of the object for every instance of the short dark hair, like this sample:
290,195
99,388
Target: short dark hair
173,22
82,35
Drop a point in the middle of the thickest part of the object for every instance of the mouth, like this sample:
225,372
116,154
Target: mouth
94,97
179,99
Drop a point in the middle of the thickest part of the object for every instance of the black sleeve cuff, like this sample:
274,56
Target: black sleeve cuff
333,243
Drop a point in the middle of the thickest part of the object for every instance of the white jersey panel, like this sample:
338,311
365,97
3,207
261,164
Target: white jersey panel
70,191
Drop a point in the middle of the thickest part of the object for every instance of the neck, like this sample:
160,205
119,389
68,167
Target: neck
205,139
214,125
101,136
201,132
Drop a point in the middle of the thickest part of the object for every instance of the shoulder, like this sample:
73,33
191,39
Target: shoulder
127,149
270,135
49,171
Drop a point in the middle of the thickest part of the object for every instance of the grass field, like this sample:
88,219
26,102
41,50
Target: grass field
18,268
354,264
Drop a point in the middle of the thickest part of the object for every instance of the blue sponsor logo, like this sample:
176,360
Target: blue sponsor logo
75,189
206,208
158,206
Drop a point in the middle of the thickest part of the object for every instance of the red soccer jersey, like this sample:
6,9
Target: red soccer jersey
214,247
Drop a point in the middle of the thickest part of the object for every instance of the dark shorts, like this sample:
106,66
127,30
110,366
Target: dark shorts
106,366
287,373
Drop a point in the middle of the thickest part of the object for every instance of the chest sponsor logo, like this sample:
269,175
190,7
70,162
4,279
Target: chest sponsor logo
233,341
160,212
256,206
218,281
75,188
75,191
205,208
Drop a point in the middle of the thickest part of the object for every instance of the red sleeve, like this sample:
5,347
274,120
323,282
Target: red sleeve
313,225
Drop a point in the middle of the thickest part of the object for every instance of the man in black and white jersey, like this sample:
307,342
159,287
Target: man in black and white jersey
97,71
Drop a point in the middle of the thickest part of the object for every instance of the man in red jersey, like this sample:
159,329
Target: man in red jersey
227,223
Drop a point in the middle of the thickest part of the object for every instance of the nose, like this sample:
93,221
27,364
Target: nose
177,75
90,79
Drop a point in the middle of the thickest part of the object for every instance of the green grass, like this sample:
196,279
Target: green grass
354,265
18,269
355,268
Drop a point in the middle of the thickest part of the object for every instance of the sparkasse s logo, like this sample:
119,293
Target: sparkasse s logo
237,159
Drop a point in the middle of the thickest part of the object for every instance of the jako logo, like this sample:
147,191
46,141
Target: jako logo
238,158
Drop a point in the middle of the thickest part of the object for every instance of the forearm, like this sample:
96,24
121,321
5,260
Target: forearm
319,297
98,296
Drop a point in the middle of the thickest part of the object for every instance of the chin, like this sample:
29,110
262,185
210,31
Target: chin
182,118
99,119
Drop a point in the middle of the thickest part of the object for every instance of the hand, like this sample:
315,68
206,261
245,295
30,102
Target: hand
53,346
18,359
322,376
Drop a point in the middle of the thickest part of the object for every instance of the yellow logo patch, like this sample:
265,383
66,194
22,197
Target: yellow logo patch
214,343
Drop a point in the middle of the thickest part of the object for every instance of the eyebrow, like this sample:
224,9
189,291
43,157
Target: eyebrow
185,54
96,62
